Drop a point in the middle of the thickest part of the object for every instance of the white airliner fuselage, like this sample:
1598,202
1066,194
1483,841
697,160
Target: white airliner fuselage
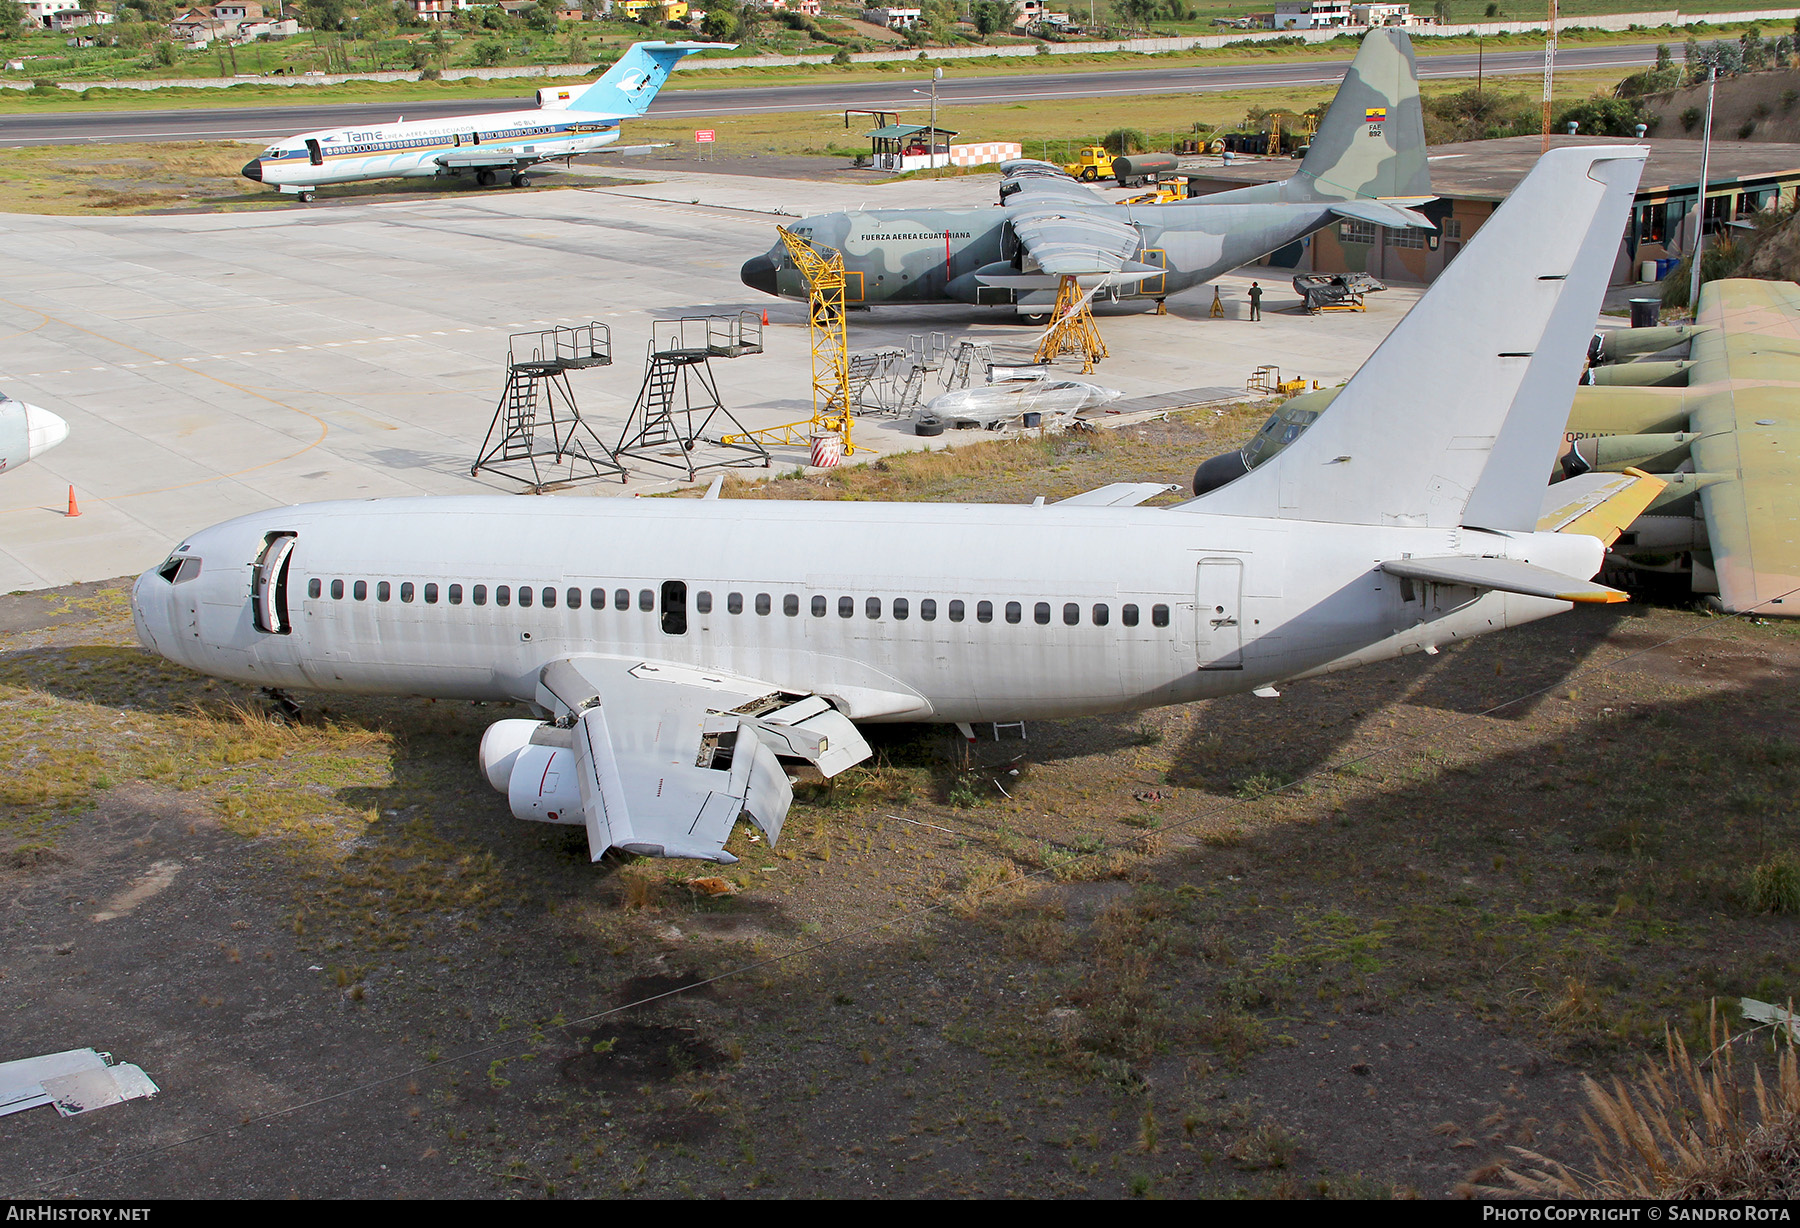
873,606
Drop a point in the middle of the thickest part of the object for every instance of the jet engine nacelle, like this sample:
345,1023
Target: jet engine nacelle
539,781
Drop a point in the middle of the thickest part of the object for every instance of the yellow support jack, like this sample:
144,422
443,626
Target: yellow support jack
1218,308
830,350
1072,329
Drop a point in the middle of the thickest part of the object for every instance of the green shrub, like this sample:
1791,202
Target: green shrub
1775,885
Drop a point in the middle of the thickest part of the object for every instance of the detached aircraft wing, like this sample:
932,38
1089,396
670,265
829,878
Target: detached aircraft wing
1743,387
666,757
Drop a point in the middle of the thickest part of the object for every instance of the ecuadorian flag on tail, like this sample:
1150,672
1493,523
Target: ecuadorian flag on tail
1375,115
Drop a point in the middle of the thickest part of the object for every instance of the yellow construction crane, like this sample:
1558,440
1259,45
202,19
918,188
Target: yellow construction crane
824,277
1072,329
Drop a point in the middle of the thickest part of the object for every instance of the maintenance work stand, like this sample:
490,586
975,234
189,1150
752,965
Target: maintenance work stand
538,428
679,401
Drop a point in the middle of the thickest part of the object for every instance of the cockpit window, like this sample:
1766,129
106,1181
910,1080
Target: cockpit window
179,568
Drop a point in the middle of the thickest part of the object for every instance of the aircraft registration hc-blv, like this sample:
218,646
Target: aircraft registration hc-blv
679,650
568,120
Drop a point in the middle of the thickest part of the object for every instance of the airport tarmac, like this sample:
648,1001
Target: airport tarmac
215,364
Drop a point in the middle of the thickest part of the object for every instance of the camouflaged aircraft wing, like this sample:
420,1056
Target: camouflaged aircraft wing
1068,231
1383,213
1744,386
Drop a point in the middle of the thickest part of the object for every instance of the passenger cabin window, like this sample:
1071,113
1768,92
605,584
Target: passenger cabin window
431,594
406,592
1071,614
360,590
703,602
901,609
1128,615
383,590
574,596
502,594
928,609
1159,616
956,611
1014,611
547,598
455,594
846,607
597,598
734,603
872,607
337,590
674,607
525,596
479,594
621,599
646,599
763,607
1101,615
819,606
1040,613
313,587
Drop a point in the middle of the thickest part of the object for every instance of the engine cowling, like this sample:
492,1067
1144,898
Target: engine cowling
539,781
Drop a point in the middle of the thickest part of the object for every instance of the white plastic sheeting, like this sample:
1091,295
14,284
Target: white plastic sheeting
998,405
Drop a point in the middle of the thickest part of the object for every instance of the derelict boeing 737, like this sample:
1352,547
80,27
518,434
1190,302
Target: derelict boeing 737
1367,164
680,649
568,120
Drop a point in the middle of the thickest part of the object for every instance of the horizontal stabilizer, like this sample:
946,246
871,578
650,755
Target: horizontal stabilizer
1503,575
1382,213
1598,504
1117,494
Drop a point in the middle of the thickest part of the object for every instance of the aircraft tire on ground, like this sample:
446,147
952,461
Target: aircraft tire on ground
485,178
928,427
521,181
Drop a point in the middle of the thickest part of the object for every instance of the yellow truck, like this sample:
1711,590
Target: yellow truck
1091,164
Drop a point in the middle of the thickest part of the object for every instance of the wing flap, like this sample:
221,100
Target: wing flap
1117,494
1074,241
1503,575
668,757
1598,504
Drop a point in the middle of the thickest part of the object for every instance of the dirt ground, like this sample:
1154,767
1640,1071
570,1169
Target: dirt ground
1354,941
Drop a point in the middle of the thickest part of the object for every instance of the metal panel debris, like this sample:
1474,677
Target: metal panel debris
75,1081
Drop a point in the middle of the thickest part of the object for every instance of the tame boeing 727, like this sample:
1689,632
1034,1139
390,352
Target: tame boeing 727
679,650
1367,164
568,120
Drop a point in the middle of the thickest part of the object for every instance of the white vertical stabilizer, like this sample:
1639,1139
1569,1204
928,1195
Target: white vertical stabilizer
1471,391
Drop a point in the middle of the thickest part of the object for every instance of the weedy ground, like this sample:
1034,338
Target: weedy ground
1354,941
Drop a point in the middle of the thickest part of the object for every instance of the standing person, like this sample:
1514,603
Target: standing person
1255,301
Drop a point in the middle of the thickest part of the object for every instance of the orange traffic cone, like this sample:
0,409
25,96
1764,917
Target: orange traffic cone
74,508
765,317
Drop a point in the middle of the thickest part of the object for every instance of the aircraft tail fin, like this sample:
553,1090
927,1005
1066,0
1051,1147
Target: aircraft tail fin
630,84
1457,416
1372,140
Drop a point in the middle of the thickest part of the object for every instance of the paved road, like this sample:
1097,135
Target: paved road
269,122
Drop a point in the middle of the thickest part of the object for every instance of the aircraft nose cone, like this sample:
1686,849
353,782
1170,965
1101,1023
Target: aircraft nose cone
252,170
759,274
43,431
149,599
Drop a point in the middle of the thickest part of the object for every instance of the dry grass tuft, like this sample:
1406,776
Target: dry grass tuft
1682,1129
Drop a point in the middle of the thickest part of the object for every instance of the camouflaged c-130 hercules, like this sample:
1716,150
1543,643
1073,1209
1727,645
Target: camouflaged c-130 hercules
1367,163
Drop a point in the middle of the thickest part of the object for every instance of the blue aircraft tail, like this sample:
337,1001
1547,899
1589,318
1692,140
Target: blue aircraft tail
629,85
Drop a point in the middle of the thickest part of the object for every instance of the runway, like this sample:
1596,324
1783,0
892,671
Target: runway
265,122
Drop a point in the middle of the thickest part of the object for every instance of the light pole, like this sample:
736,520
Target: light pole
937,74
1712,81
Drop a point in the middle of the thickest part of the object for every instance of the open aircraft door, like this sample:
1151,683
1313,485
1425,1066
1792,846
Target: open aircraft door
269,592
1218,593
1155,286
314,154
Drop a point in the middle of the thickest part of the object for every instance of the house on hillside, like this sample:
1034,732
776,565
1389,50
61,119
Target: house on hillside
40,12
